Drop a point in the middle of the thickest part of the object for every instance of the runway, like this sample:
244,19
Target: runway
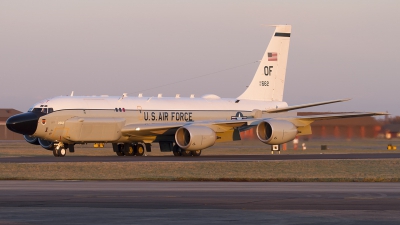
119,202
220,158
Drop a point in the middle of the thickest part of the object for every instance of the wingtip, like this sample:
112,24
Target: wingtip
382,113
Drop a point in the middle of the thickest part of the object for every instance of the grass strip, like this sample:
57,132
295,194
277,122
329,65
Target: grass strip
382,170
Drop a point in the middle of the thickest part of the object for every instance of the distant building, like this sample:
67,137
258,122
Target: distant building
6,134
348,128
391,130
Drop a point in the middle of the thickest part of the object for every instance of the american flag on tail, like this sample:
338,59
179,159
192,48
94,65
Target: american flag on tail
272,56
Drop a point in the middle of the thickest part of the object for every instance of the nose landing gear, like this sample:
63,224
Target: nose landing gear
60,149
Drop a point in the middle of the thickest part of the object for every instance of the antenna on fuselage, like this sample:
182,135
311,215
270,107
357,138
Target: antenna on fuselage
72,93
123,96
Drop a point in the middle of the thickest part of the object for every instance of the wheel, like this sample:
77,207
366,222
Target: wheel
176,150
186,153
55,153
120,151
59,152
62,152
177,154
131,151
196,153
139,150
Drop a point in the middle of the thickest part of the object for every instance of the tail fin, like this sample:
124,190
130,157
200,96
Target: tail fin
269,80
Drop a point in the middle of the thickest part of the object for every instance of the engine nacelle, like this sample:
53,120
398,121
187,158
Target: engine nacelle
195,137
275,132
31,139
48,145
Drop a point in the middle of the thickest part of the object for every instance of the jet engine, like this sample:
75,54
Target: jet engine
31,139
194,138
48,145
275,132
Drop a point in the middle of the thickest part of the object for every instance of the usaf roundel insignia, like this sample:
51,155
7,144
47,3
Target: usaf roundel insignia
238,116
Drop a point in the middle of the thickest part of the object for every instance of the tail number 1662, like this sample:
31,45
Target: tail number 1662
264,83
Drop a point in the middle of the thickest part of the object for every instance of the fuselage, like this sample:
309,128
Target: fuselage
56,112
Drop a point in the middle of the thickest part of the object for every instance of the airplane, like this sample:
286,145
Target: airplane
181,125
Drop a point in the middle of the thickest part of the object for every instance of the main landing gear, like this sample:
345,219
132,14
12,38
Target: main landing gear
180,152
128,149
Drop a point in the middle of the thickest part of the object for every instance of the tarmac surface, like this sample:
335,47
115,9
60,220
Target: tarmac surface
222,158
137,202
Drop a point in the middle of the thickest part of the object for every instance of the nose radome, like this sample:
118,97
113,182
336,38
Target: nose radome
24,123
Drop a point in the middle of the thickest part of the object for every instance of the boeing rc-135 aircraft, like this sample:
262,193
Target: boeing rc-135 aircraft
180,125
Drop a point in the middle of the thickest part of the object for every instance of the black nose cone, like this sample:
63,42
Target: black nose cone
24,123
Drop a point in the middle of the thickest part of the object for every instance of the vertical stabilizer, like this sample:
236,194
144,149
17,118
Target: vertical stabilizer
269,80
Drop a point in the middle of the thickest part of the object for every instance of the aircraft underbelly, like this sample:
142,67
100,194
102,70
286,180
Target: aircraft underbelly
93,129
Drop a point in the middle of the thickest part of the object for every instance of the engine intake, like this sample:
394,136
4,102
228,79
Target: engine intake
275,132
195,137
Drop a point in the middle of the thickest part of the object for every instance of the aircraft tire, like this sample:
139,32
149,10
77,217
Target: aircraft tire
120,153
177,150
55,153
186,153
62,152
132,150
139,150
59,152
196,153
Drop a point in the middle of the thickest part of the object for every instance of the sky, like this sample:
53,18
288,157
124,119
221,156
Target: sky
339,49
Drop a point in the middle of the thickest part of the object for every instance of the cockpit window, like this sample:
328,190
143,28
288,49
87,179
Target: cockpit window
42,110
37,110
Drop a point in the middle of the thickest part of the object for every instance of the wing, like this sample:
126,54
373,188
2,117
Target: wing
340,115
232,127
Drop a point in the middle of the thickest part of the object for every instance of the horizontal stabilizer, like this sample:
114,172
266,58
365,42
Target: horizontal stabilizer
302,121
304,106
340,115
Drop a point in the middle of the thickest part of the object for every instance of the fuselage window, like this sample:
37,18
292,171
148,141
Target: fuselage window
116,109
49,110
123,109
120,109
